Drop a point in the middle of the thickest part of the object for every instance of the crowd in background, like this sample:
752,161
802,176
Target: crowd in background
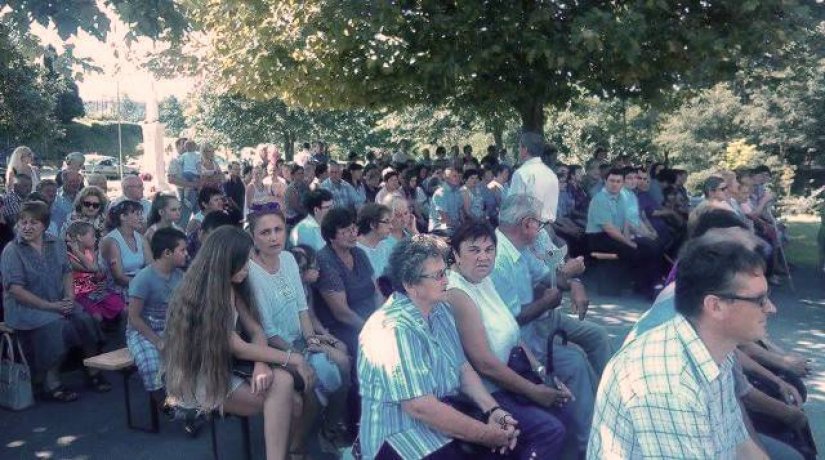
360,298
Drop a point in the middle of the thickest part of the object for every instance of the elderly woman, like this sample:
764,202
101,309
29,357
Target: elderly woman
490,335
89,206
402,220
374,226
345,278
39,303
411,366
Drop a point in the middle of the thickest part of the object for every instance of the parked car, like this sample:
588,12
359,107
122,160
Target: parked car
106,165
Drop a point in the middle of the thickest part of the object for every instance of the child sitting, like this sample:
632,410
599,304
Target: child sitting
88,279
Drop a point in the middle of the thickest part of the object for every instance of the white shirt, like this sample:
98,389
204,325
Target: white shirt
534,178
500,326
379,255
280,297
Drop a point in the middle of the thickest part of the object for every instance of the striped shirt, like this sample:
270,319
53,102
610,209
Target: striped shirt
402,356
344,195
662,396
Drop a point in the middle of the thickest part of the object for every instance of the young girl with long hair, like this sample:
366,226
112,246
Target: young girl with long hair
165,212
201,342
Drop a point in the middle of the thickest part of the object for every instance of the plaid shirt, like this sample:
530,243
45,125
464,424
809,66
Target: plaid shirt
662,396
343,194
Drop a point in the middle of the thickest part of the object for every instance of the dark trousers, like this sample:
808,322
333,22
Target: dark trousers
645,262
542,433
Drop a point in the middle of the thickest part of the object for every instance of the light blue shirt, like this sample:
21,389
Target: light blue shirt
511,275
403,356
308,232
631,207
344,195
605,208
446,199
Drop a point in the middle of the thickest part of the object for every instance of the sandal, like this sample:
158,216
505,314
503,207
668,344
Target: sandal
99,383
60,394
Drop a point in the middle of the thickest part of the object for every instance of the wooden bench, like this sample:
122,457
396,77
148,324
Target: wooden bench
121,361
611,276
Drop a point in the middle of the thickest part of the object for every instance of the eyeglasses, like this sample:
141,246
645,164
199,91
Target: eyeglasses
350,229
760,301
384,221
437,276
542,223
722,189
91,204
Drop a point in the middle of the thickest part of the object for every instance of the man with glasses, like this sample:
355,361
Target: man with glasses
716,194
670,393
308,230
529,289
608,230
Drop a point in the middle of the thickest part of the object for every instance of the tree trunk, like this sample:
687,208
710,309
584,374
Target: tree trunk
532,116
498,133
289,145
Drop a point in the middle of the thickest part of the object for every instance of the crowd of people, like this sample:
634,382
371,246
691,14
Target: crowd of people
416,308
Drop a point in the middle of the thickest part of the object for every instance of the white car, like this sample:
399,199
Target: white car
108,166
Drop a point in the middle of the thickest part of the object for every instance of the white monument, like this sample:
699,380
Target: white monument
153,160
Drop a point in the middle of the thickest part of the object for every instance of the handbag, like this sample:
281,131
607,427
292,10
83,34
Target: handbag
15,377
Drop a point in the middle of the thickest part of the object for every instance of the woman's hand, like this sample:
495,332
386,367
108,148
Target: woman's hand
262,377
551,398
503,429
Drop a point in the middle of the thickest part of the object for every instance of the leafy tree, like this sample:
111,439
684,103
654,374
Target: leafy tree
478,55
27,99
171,114
69,105
237,121
132,111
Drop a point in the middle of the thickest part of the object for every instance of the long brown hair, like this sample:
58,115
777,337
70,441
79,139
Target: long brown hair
201,317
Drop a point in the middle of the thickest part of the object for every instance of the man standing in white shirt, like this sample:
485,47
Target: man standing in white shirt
534,178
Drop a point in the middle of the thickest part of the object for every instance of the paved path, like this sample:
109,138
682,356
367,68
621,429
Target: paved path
94,427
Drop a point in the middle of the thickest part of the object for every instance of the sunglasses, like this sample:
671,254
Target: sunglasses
91,204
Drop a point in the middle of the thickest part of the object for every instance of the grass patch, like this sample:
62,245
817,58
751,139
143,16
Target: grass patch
802,249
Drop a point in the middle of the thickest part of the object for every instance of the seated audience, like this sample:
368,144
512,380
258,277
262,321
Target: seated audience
133,188
98,180
607,231
446,203
294,200
472,202
670,392
38,301
527,288
149,294
491,339
200,343
15,196
411,365
165,213
90,206
123,251
343,193
89,279
308,230
234,187
278,292
402,221
374,227
345,282
390,188
209,199
211,222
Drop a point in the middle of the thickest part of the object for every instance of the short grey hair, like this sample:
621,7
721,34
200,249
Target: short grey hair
532,142
516,208
75,157
406,264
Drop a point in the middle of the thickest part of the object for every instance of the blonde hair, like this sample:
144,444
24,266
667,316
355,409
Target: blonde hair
16,162
197,358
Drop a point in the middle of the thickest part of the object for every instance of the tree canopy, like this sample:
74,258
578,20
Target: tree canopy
484,55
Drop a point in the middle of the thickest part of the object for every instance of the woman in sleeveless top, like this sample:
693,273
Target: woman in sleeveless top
257,192
201,343
123,251
209,169
20,162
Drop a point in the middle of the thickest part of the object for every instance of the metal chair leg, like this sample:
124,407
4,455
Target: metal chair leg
247,445
212,430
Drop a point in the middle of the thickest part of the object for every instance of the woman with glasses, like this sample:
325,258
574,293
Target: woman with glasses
345,282
411,367
374,226
89,206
